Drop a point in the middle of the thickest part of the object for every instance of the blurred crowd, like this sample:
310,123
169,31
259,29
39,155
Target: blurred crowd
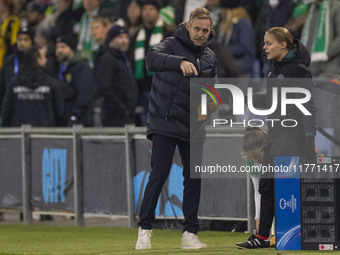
66,62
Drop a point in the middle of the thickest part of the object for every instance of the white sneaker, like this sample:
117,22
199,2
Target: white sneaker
191,241
144,239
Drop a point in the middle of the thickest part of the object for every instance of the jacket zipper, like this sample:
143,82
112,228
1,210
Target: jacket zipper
172,101
167,112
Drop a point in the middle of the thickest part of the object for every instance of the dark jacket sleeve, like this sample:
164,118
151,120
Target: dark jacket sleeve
3,81
131,97
105,71
161,58
2,88
58,100
85,88
7,106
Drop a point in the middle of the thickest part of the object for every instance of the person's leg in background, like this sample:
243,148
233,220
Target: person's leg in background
257,200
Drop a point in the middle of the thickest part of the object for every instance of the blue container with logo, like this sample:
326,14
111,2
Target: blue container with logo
287,203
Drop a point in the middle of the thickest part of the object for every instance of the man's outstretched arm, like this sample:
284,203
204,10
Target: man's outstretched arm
161,58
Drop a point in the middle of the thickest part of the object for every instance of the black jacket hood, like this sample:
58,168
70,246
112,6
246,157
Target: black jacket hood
182,34
302,55
35,75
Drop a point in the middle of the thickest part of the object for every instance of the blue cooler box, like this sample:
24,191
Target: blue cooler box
287,204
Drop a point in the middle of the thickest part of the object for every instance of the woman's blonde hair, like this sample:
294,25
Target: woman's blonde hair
282,34
233,16
252,143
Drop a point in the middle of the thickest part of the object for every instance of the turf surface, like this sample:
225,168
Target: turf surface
39,239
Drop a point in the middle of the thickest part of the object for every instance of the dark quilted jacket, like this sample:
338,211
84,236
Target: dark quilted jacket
169,107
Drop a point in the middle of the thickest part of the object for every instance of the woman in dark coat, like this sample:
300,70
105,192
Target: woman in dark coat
290,60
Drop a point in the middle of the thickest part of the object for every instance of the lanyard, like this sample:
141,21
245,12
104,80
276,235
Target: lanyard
16,65
62,69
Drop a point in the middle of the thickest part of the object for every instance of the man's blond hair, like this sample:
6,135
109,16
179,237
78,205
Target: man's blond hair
200,13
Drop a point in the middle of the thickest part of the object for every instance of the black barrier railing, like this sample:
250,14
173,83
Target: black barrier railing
76,134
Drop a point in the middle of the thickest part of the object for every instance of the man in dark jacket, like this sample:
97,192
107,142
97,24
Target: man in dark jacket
174,61
14,62
33,97
79,91
115,81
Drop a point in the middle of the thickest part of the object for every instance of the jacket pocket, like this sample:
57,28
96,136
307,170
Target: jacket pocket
170,104
175,88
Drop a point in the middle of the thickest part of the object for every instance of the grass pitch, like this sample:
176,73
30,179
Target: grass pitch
40,239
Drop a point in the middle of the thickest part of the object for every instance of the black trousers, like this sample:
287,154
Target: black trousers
267,191
163,149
